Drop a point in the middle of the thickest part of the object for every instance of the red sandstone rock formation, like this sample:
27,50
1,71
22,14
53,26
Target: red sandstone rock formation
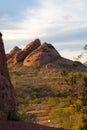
35,54
7,94
10,56
21,55
43,55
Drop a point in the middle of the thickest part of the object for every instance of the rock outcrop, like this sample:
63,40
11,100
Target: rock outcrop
37,54
7,94
43,55
10,56
21,55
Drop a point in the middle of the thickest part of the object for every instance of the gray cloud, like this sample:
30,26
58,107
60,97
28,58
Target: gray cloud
69,35
55,21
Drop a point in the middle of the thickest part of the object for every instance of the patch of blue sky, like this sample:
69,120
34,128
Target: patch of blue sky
13,8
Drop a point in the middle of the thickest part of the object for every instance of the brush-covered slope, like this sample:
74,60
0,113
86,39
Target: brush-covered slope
51,96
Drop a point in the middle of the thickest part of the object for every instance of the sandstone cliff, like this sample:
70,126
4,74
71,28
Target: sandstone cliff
7,94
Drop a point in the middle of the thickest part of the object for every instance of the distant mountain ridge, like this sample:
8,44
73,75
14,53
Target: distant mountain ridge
37,54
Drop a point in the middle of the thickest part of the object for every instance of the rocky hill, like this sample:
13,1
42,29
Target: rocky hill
43,55
7,94
37,54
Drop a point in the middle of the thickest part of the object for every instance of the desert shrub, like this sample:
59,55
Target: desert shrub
37,101
61,93
52,101
14,116
25,100
20,100
27,117
61,117
85,81
79,74
83,127
84,123
66,117
73,80
38,92
15,75
84,91
64,73
64,104
78,105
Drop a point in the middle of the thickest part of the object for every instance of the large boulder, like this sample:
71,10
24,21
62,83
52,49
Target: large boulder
7,93
43,55
21,55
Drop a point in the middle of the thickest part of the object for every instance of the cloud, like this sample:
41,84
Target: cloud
73,56
57,21
53,19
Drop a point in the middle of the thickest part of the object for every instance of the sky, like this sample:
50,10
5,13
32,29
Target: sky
62,23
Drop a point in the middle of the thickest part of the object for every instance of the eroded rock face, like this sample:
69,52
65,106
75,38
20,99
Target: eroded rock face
21,55
7,94
10,56
43,55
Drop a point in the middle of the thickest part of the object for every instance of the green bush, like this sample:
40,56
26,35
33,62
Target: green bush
85,81
84,123
27,117
73,80
78,105
52,101
66,117
61,93
14,116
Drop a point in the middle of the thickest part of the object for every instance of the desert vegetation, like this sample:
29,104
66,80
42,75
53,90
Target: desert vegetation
52,97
